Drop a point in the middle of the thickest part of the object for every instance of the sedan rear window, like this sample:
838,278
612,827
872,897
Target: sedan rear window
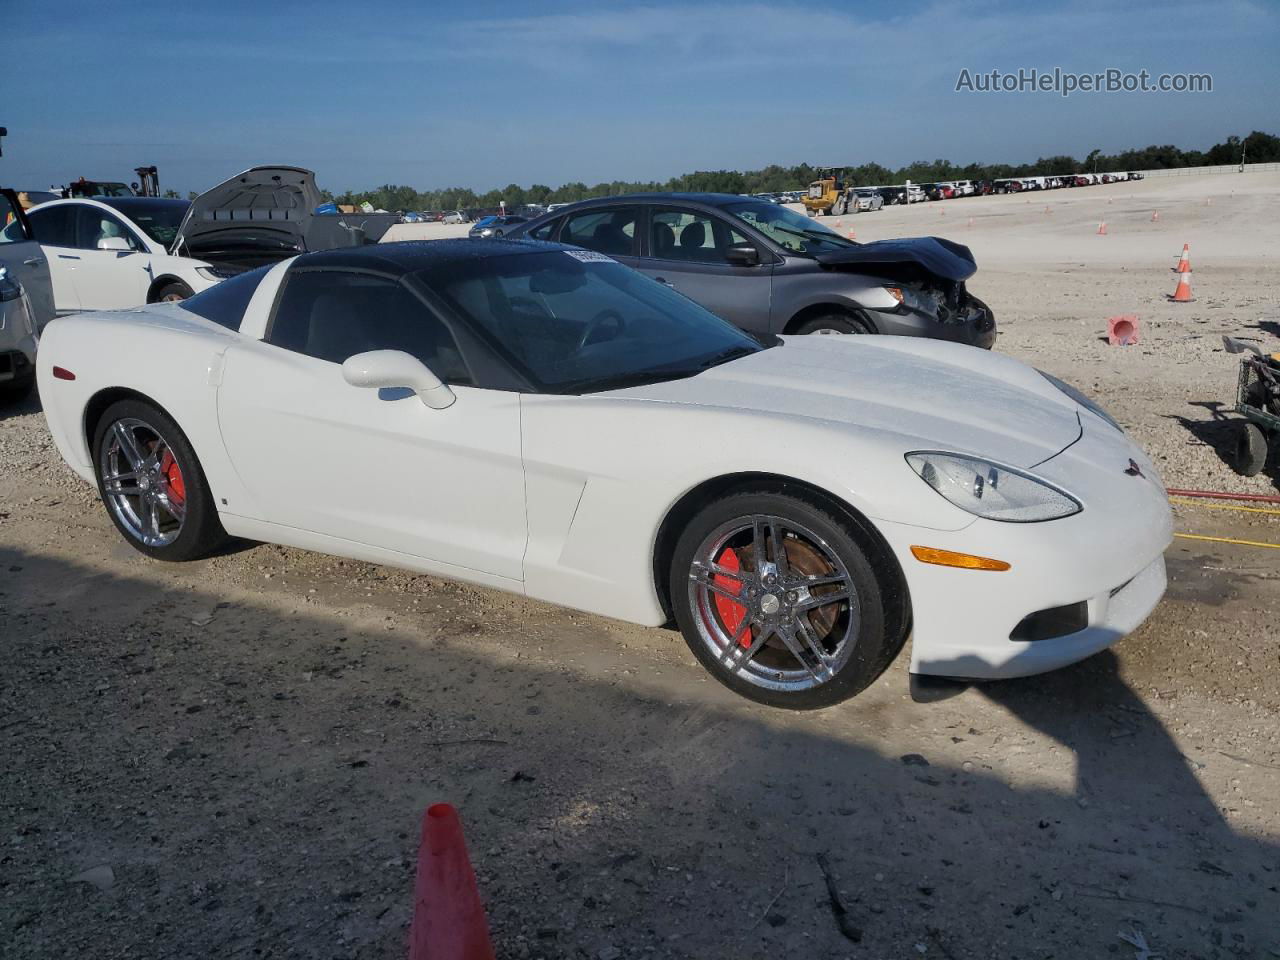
225,303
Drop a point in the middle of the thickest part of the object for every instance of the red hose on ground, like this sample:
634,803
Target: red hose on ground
1214,495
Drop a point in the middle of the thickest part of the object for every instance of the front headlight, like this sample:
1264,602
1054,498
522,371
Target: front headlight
216,273
991,490
10,288
912,300
1081,399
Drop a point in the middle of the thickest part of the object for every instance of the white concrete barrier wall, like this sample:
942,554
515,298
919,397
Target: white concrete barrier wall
1223,168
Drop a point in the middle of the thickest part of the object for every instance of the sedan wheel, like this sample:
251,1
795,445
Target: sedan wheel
778,601
152,484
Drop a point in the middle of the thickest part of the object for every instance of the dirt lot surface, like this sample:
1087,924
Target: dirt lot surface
239,749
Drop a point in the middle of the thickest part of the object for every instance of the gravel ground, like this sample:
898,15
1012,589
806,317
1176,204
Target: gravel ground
238,750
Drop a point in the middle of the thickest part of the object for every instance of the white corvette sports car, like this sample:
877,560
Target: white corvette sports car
541,419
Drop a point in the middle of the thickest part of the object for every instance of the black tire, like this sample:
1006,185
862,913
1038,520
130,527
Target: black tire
840,323
873,644
173,291
200,531
1251,450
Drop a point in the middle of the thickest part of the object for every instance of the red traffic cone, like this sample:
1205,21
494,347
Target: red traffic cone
839,224
448,920
1184,261
852,235
1183,293
1102,228
1122,331
1155,215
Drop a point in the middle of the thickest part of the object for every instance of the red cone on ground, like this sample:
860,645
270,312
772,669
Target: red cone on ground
1155,215
852,235
448,920
1102,228
971,221
1184,261
1183,293
1122,331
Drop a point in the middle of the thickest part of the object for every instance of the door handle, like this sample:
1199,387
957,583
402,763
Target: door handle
665,282
67,256
34,262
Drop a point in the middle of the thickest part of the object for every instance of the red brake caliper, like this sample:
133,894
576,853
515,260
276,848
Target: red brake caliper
173,476
731,612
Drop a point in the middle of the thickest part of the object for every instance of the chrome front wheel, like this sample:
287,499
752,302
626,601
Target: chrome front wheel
778,598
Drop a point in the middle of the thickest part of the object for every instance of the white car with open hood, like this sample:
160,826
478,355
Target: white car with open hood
541,419
114,252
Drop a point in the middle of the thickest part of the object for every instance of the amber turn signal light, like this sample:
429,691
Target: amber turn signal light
949,558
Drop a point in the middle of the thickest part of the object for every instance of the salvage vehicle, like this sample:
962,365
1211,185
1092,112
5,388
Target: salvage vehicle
26,299
769,269
547,421
113,252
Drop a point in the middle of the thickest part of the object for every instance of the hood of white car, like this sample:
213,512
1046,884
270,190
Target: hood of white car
269,206
935,395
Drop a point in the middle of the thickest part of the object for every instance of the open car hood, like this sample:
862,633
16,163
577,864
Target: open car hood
942,258
268,206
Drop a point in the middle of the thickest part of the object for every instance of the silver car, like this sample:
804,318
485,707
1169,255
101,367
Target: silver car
868,200
26,299
769,269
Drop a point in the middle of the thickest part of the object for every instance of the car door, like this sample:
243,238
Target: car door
375,467
55,228
109,279
24,259
686,250
612,230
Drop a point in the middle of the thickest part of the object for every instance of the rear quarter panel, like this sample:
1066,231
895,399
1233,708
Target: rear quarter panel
161,352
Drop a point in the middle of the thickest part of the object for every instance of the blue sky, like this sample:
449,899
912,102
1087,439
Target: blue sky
487,93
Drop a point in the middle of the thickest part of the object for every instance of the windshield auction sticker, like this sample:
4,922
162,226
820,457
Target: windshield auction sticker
590,256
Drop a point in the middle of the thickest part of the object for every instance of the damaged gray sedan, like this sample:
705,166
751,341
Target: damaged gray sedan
769,269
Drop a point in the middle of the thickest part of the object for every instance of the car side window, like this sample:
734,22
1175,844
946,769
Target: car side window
335,314
12,229
54,226
546,231
677,234
93,224
611,230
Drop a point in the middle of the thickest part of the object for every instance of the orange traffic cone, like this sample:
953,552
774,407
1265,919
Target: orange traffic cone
448,920
1102,228
1122,331
839,224
852,235
1183,293
1155,215
1184,261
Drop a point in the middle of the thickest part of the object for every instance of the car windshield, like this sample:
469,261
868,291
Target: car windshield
575,321
158,219
790,230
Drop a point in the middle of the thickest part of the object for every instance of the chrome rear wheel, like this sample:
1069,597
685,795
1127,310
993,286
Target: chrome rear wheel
142,482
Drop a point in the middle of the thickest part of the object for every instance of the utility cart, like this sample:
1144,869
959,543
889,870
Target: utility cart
1258,401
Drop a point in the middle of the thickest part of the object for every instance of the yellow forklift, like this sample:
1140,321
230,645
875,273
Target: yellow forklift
830,195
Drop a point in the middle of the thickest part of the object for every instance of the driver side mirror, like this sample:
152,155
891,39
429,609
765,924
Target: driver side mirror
742,255
395,368
114,243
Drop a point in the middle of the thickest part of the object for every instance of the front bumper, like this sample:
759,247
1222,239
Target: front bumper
1110,557
973,324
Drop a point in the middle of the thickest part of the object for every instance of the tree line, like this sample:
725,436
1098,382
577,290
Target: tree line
1257,147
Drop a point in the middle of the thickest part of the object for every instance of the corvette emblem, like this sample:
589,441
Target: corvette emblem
1133,469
